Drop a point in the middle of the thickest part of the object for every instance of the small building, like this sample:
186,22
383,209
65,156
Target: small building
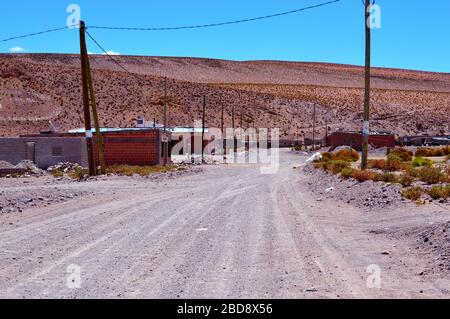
355,140
129,146
44,151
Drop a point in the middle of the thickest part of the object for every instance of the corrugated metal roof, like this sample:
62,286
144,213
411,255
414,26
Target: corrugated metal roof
117,129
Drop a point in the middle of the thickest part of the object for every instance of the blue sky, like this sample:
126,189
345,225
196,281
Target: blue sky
414,34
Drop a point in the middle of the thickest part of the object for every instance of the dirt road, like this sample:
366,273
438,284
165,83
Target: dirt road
228,232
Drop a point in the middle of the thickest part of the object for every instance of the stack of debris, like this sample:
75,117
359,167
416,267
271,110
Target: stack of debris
24,167
64,167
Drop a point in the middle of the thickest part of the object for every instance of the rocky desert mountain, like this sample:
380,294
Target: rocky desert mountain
38,88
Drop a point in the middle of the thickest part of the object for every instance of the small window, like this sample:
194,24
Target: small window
57,151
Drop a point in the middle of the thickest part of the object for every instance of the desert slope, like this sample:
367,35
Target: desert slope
36,88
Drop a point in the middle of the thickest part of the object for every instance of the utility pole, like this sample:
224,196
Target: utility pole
314,129
232,117
85,85
234,132
165,138
224,135
366,124
203,128
98,133
326,130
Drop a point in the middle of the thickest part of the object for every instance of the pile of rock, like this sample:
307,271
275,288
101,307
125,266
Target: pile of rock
29,167
434,242
24,168
64,167
6,165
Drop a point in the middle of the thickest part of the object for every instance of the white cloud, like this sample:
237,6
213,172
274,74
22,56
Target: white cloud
17,50
112,53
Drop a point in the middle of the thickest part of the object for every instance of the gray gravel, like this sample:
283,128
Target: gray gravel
368,195
229,232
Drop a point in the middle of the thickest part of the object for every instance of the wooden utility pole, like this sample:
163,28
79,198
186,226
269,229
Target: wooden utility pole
224,135
326,131
203,128
98,133
85,85
366,125
165,137
314,129
232,117
234,132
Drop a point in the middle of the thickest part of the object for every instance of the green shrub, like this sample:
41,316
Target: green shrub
439,192
57,173
420,161
430,175
78,173
336,166
406,180
326,156
402,153
347,172
395,162
386,177
413,193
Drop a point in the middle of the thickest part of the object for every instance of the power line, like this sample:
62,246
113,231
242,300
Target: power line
215,24
39,33
176,28
109,55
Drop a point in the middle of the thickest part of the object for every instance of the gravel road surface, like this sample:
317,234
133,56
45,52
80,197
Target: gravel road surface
228,232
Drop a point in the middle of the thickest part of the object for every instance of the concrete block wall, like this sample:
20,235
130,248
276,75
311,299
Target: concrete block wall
12,150
48,151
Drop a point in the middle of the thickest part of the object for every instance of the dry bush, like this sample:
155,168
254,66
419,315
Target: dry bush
433,152
347,172
439,192
406,180
386,177
78,173
404,154
363,175
379,164
343,155
430,175
128,170
346,155
413,193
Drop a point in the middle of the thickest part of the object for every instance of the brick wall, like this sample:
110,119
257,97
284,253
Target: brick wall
131,148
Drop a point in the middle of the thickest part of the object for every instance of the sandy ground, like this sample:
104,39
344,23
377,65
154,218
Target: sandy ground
227,232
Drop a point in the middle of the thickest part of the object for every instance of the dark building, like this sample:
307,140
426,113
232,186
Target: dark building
355,140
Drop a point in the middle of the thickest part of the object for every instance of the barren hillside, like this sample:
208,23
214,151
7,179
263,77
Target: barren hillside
41,87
